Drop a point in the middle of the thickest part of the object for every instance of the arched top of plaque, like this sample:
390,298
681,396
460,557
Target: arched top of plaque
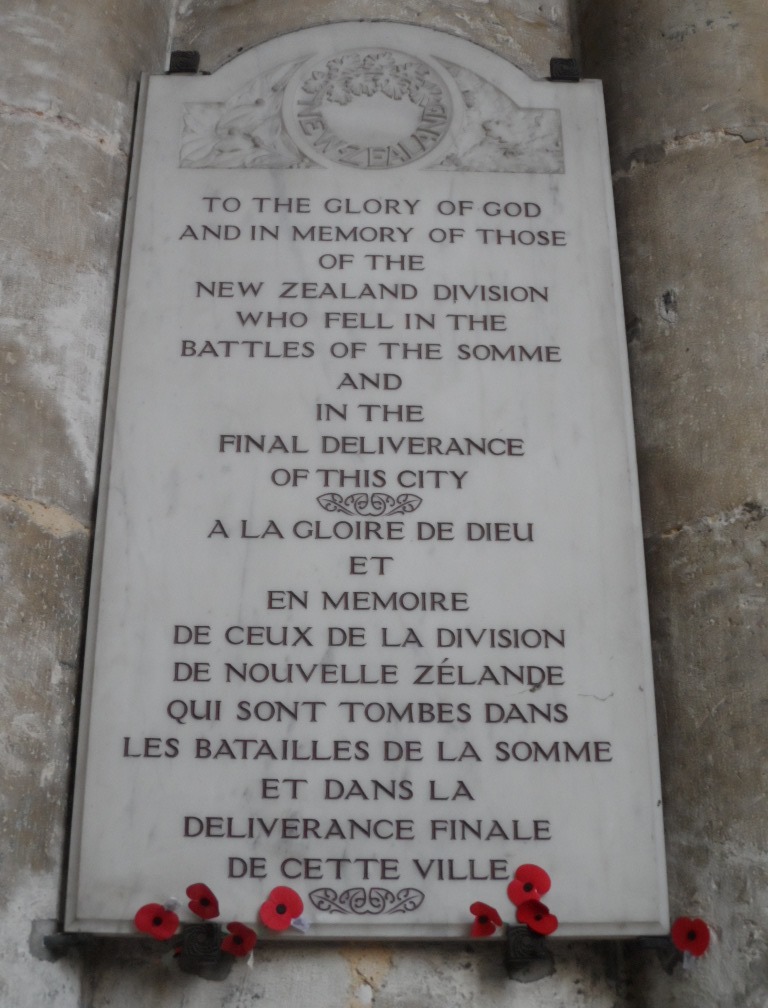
372,97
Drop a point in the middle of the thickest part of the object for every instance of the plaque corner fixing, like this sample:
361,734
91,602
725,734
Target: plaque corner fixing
184,61
564,70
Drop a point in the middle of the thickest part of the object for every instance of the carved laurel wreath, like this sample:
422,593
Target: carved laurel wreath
354,75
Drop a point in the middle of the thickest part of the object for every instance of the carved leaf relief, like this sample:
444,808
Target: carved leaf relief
246,131
371,108
499,136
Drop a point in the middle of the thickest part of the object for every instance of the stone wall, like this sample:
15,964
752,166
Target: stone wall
687,95
68,77
687,99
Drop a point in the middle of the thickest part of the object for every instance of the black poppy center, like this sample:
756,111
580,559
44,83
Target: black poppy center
204,901
483,918
237,939
528,887
157,921
281,908
691,935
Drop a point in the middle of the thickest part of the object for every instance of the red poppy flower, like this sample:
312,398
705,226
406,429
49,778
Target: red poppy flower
153,919
281,907
537,917
240,939
486,920
690,935
202,901
530,883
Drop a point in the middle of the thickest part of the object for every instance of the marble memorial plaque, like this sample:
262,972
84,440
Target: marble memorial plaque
368,612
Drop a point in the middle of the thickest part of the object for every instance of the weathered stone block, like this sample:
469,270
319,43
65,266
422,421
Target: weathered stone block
694,275
78,64
673,70
524,31
42,580
58,262
709,615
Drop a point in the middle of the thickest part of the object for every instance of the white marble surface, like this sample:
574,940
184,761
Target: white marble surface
195,534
